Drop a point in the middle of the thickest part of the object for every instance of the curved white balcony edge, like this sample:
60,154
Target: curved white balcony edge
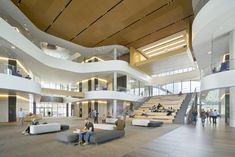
11,10
110,95
31,52
218,80
15,83
215,19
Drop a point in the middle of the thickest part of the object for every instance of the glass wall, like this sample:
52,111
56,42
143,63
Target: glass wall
176,87
53,109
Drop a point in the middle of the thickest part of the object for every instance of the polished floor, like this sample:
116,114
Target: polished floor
166,141
191,141
13,144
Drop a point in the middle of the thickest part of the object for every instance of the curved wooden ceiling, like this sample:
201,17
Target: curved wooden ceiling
133,23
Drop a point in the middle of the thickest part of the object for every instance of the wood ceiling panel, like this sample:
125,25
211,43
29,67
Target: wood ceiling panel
154,22
79,15
120,17
104,22
172,29
42,12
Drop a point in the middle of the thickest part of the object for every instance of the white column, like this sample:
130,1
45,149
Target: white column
232,89
114,89
115,54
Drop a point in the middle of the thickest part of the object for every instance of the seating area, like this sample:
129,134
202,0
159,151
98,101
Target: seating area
103,133
172,102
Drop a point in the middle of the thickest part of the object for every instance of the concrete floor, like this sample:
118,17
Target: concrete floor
13,144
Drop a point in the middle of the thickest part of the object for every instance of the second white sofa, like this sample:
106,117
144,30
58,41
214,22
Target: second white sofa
44,128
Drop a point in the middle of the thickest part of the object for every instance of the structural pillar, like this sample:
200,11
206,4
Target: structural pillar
114,89
34,107
115,54
232,89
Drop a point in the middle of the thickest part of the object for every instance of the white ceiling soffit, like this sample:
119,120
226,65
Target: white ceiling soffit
7,8
165,45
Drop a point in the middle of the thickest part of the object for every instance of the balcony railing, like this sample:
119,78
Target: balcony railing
218,67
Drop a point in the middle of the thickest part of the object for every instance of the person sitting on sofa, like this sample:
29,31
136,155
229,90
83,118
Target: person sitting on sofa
120,124
86,133
27,130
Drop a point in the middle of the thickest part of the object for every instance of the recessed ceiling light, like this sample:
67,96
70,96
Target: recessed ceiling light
209,52
164,42
13,47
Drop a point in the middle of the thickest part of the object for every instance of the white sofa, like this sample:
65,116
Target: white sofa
105,126
146,123
44,128
111,120
140,122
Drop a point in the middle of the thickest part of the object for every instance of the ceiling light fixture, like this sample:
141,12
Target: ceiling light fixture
167,50
164,42
165,46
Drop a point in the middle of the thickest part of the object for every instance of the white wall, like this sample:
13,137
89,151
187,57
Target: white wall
102,109
84,110
22,104
3,109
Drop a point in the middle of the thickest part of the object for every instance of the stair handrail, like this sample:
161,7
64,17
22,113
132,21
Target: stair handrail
192,105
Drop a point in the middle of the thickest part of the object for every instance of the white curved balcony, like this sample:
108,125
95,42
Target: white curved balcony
63,68
111,95
15,83
8,9
218,80
215,19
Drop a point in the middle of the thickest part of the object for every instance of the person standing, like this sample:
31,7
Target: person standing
20,116
96,117
214,116
194,117
93,115
203,117
210,115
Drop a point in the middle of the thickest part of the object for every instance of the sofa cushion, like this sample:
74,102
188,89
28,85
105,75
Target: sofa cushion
67,137
44,128
140,122
64,127
105,126
154,124
102,136
110,120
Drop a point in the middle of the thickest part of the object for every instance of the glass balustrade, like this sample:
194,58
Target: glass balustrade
218,67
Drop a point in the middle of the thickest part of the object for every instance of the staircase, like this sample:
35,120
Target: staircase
179,118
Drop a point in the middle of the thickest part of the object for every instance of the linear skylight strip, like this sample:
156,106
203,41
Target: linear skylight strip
164,42
170,49
165,46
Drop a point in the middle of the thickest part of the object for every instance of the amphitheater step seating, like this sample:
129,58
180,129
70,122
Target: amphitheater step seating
167,101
